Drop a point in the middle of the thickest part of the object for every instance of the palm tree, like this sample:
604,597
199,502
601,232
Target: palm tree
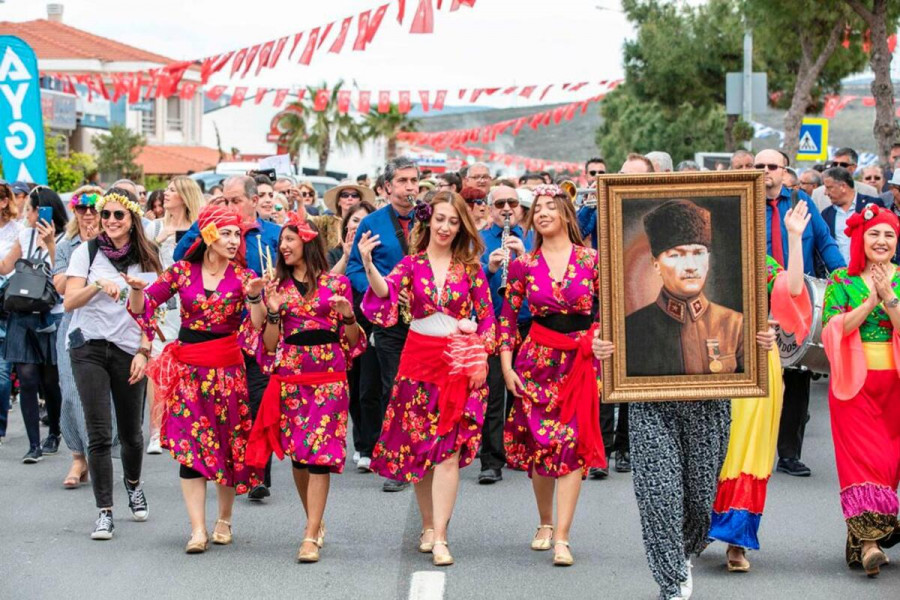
388,125
318,131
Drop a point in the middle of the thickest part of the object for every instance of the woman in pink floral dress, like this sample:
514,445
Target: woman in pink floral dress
553,427
432,425
200,378
309,342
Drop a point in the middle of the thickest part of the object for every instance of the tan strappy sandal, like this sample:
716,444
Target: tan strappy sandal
197,545
308,557
320,540
439,559
560,559
222,539
541,544
425,547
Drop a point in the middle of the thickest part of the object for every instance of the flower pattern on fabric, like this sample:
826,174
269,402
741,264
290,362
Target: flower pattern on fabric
534,438
846,292
207,422
409,445
313,420
772,271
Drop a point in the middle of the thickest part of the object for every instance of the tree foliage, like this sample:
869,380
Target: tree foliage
116,152
388,125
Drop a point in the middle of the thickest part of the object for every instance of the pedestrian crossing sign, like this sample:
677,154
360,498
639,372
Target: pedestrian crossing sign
813,140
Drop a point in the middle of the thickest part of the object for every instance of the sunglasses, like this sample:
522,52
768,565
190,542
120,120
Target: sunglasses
872,178
118,214
349,195
595,173
480,202
306,195
510,203
845,165
82,209
769,166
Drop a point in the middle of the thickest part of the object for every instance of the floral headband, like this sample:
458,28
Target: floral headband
85,199
306,233
548,190
131,205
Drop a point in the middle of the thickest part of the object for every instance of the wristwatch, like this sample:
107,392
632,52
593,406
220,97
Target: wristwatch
892,303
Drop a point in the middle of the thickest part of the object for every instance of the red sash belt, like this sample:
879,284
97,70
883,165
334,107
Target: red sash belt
167,369
423,359
578,392
264,437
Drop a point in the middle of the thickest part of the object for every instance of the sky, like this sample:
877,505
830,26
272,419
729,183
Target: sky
496,43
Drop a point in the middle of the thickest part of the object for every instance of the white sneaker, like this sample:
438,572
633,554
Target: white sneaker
687,586
356,457
364,465
153,447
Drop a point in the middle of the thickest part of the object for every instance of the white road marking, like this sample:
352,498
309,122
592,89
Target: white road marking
427,585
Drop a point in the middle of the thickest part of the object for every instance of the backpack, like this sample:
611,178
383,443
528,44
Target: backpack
30,288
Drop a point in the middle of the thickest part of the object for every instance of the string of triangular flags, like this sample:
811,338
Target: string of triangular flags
835,103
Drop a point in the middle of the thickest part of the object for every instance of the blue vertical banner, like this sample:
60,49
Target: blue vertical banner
21,126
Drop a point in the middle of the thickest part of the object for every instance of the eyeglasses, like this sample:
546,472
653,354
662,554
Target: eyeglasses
346,195
843,164
479,202
595,173
480,177
510,202
82,209
307,195
769,166
118,214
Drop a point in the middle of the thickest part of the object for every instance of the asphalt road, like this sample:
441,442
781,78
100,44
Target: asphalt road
46,551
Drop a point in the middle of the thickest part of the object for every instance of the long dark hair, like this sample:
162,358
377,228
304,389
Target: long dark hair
142,253
314,255
44,196
363,205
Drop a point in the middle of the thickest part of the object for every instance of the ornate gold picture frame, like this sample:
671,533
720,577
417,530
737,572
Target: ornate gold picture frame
663,237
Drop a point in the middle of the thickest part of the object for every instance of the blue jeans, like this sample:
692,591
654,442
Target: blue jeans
5,390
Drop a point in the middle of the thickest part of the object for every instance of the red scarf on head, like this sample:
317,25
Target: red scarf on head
212,218
299,222
857,225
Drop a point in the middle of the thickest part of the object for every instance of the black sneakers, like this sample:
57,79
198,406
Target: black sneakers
103,529
391,485
793,467
33,455
258,493
50,445
137,502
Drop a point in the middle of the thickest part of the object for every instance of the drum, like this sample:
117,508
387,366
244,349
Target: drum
807,354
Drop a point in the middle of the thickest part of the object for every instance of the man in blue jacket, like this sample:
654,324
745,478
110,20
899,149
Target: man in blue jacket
241,193
816,241
845,200
392,223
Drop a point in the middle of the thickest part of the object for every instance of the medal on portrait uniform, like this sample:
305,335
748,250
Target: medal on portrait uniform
712,348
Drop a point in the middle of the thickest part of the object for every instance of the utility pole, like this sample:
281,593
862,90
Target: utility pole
748,81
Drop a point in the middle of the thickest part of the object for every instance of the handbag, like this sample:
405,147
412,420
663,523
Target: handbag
30,288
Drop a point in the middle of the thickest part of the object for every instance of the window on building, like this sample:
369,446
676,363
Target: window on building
148,117
173,114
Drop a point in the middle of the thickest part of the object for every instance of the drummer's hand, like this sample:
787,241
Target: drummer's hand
766,339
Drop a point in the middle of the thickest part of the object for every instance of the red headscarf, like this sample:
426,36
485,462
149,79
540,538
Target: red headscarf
213,217
299,222
857,225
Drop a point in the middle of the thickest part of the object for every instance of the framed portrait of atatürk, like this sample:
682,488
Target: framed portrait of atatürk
682,285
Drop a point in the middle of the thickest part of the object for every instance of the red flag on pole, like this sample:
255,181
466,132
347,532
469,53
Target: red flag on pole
404,104
423,22
384,102
321,101
364,103
439,100
260,94
280,95
306,57
423,97
343,101
362,25
238,97
339,41
215,92
264,53
276,54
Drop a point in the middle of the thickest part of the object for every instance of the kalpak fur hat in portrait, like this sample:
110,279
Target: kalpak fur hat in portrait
677,223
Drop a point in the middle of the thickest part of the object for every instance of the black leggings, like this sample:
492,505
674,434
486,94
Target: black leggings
188,473
313,469
33,378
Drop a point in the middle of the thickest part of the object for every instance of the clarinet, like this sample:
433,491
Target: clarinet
504,266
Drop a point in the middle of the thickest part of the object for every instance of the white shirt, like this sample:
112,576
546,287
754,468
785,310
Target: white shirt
822,201
9,233
103,318
38,254
840,223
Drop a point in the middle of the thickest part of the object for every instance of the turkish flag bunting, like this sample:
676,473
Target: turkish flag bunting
102,86
404,105
280,95
238,97
206,67
547,116
306,57
457,3
558,114
439,100
260,94
119,87
176,72
570,111
520,122
546,89
510,90
462,93
527,91
578,86
375,23
264,54
249,62
423,97
423,22
491,91
324,35
343,101
384,102
238,61
339,41
215,92
362,30
321,101
219,64
401,10
476,93
276,54
297,38
363,105
188,89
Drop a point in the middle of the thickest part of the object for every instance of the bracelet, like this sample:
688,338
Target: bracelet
145,352
351,320
254,299
273,318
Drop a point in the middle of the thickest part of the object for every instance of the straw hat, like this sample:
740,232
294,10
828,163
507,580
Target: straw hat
331,196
